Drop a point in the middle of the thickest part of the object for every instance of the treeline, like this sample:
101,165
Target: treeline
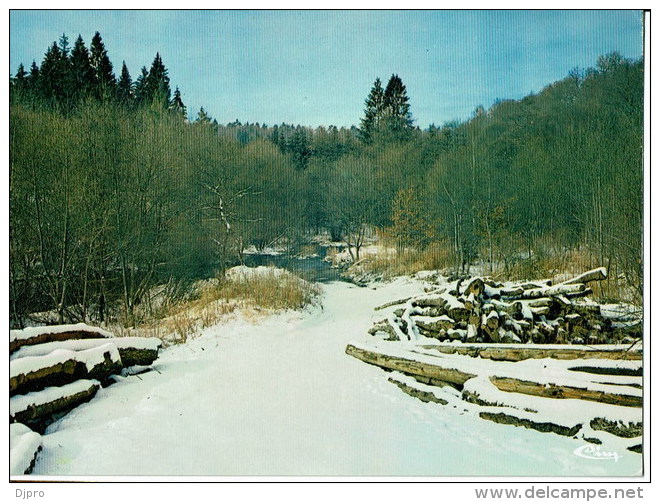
113,190
70,77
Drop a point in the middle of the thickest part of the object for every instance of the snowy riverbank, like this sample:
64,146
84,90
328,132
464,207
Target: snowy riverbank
281,397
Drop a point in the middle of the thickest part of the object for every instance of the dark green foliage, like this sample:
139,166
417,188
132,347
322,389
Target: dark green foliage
387,113
373,112
125,92
104,79
82,73
176,105
155,88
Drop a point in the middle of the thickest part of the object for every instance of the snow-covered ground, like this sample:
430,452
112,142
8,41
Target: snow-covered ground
280,397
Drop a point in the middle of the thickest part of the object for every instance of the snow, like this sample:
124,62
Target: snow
23,444
281,397
243,272
90,357
43,349
542,371
27,333
48,395
271,251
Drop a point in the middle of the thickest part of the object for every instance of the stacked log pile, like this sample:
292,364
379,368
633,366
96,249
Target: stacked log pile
55,369
484,310
532,354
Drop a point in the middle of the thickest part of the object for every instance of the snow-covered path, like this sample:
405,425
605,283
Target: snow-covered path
282,398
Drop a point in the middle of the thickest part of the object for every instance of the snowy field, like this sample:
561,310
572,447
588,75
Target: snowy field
280,397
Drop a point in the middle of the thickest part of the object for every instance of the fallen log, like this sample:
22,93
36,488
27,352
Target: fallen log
393,303
597,274
133,350
24,446
44,334
38,409
29,374
426,372
511,419
564,392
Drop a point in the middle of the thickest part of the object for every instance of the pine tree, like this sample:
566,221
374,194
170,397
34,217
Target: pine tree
373,112
125,85
82,74
20,78
53,74
397,109
33,81
18,84
203,117
156,88
104,78
64,45
138,88
176,105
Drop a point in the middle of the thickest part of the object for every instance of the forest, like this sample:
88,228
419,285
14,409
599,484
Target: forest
115,187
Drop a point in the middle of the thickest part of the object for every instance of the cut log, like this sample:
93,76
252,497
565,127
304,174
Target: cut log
393,303
435,324
133,350
518,353
24,447
564,392
560,289
597,274
29,374
475,287
44,334
425,396
38,409
512,419
427,372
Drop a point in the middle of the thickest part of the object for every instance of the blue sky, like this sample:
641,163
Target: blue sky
317,67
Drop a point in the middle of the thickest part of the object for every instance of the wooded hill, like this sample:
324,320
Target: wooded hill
114,189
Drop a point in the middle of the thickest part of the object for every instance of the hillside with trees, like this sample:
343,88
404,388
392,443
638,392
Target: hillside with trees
115,187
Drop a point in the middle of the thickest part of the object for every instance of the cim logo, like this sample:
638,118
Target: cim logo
595,452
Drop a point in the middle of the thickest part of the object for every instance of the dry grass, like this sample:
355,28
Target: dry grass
390,263
250,294
272,289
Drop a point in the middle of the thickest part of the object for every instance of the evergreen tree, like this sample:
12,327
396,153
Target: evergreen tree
104,78
125,85
176,105
156,88
373,112
20,78
138,88
203,117
64,45
53,74
396,107
300,148
18,84
33,80
82,74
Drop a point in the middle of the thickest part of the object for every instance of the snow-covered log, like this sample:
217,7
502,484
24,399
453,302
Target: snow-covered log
597,274
133,350
35,409
24,446
423,371
513,353
43,334
28,374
